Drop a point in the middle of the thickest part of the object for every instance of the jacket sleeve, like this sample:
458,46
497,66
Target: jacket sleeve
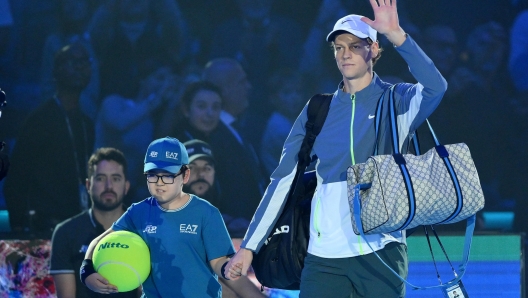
274,198
417,101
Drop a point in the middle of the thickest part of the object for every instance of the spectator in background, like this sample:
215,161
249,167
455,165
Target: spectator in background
199,113
6,22
463,18
261,42
287,98
171,114
518,58
228,75
480,89
73,17
33,20
132,37
200,32
24,26
46,180
485,53
202,184
241,191
440,43
128,123
107,185
202,178
317,64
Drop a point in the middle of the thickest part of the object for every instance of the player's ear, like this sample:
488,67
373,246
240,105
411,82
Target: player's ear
375,49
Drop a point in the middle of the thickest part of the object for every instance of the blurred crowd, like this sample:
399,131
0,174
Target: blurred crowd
85,74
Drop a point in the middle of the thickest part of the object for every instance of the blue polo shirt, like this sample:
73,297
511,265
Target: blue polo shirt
181,243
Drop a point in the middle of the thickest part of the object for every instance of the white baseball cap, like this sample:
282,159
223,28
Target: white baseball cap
353,25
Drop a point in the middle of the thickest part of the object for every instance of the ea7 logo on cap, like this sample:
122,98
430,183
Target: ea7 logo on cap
172,155
153,154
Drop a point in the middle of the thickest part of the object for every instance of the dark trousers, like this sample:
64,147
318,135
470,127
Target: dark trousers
361,276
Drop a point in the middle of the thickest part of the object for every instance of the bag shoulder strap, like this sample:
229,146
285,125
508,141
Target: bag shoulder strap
377,123
318,108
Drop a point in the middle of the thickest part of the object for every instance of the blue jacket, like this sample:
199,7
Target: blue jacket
348,137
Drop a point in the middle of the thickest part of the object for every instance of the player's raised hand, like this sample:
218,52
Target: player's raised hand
386,20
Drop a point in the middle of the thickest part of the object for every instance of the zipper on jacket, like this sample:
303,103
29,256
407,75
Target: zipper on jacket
353,98
316,218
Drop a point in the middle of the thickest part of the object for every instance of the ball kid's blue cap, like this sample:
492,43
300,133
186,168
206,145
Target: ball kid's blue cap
167,154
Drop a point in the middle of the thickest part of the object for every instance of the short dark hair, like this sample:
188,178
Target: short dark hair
193,88
183,169
109,154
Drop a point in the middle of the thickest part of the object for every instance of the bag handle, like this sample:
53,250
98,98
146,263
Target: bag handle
400,160
379,109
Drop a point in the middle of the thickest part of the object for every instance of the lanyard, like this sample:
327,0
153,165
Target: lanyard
72,139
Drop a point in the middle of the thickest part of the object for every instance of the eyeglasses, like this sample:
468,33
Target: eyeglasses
167,179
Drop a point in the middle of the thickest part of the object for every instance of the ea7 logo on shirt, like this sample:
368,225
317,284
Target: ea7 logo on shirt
173,155
150,229
189,229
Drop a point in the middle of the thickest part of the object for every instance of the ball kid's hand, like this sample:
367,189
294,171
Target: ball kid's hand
97,283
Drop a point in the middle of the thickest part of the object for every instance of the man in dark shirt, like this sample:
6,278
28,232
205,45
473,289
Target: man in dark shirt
240,193
107,185
46,179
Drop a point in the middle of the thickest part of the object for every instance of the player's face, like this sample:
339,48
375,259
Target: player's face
204,110
167,193
202,176
108,185
353,56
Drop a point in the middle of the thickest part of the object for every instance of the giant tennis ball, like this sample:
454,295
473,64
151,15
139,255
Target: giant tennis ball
123,258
